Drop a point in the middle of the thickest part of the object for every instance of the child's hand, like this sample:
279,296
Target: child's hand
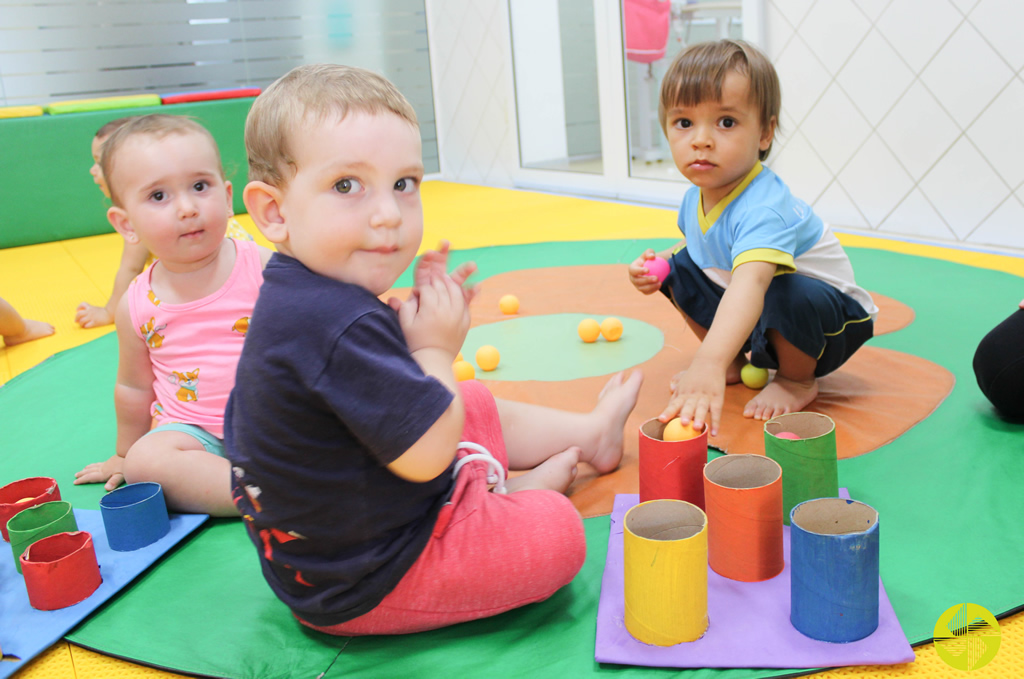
640,277
1022,304
89,316
98,472
698,395
435,263
437,316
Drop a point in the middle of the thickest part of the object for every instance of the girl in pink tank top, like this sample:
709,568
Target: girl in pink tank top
182,322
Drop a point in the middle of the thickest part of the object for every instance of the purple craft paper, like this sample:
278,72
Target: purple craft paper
749,623
27,632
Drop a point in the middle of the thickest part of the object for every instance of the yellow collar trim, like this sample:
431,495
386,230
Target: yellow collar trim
706,222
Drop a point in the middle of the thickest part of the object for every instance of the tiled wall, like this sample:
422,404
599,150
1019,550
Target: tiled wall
902,117
905,116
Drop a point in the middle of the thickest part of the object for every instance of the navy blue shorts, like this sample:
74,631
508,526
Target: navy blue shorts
816,318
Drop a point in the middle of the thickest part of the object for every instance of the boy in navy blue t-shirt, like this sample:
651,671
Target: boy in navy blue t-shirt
361,467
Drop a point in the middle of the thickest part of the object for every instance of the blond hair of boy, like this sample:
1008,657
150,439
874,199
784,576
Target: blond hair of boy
369,419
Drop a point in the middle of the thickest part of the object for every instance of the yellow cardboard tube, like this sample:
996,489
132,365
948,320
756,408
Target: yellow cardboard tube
665,546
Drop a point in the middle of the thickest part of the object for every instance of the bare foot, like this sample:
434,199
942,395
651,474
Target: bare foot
781,396
555,473
614,404
33,330
732,373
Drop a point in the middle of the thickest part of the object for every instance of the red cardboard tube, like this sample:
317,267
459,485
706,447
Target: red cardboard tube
744,508
671,470
20,495
60,570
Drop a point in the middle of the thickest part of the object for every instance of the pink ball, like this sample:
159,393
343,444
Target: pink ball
787,435
657,267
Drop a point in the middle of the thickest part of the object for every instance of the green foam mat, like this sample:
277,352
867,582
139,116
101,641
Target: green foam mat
45,186
947,493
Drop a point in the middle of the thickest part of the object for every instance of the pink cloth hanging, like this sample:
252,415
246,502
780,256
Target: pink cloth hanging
646,26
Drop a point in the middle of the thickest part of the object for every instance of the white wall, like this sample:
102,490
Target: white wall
899,116
474,99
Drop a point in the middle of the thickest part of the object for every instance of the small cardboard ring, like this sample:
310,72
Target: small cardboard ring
22,494
38,522
60,570
134,516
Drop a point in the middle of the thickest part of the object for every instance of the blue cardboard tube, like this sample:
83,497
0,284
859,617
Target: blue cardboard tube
834,567
134,516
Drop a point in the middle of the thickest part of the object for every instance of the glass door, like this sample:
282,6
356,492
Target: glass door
587,75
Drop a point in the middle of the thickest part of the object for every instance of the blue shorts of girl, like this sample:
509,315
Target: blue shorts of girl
813,316
210,443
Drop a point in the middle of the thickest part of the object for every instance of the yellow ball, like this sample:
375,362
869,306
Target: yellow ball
509,304
754,377
589,330
611,328
463,370
458,357
677,431
487,358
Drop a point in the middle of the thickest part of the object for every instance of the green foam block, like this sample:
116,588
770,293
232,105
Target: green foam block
103,104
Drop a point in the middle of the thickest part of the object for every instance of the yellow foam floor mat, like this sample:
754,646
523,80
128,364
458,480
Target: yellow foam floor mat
46,282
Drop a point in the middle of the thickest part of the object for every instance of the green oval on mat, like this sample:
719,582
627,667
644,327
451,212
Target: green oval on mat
548,348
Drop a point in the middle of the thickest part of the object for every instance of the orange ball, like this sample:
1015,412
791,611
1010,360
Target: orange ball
677,431
611,328
589,330
509,304
487,357
458,357
463,370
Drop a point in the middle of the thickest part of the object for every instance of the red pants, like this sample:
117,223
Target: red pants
489,553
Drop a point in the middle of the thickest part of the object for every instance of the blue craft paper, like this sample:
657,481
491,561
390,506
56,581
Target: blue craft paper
748,623
27,632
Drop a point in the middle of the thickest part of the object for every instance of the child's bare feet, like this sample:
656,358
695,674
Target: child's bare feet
781,396
732,373
33,330
555,473
614,404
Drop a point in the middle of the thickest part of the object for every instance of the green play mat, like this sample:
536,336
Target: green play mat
947,491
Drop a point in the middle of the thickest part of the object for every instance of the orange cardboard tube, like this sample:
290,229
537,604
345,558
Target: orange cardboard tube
671,470
743,494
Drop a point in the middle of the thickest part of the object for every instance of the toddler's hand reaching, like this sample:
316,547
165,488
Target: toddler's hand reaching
698,395
640,277
89,316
